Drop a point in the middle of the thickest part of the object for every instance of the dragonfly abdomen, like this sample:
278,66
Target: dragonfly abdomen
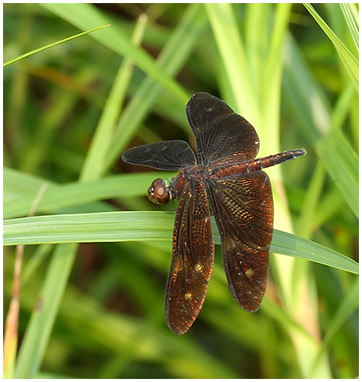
257,164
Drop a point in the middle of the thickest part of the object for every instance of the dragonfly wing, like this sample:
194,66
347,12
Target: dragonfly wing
167,155
243,209
222,136
192,258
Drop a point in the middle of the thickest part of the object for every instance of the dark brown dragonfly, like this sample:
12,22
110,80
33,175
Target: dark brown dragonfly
226,179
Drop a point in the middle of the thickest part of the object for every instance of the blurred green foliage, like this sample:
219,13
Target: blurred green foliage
71,110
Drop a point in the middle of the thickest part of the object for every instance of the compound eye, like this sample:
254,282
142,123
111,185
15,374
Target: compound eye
159,193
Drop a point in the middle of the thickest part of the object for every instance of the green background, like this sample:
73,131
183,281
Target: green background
96,310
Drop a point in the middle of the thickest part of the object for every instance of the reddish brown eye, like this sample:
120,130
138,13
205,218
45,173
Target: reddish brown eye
159,193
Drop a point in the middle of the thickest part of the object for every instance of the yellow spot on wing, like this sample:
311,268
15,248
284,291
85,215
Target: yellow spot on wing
198,267
249,273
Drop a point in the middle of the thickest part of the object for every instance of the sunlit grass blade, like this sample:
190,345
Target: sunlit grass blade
349,61
350,13
232,51
271,90
86,15
282,316
53,44
145,226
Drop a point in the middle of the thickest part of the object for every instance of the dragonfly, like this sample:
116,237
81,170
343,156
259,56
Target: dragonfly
226,179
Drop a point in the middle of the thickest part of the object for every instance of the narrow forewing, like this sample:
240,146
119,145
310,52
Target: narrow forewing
192,258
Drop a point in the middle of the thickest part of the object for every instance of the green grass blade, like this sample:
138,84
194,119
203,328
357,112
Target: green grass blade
35,261
348,306
42,320
342,107
59,196
341,162
291,245
133,338
149,226
171,59
232,51
303,96
87,15
311,202
20,189
329,205
98,151
53,44
271,92
350,13
349,61
18,183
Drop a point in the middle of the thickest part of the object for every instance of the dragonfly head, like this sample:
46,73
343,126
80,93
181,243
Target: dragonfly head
158,192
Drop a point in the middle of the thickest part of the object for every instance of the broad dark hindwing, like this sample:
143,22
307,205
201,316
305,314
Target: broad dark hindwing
167,155
222,136
192,258
243,209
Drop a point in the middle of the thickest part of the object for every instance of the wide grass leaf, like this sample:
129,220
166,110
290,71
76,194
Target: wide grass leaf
57,197
146,226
